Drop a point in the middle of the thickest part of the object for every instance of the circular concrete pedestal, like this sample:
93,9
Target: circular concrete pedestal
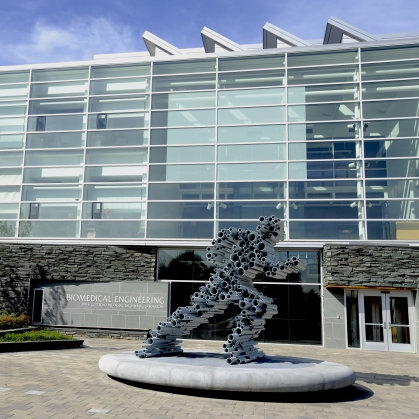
210,371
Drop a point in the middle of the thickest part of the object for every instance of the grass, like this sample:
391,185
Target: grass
34,335
13,321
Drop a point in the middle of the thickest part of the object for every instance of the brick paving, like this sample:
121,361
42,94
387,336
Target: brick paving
68,384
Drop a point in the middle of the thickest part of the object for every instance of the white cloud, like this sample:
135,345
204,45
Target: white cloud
79,40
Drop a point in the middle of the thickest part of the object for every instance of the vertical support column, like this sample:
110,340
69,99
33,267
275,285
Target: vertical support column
334,318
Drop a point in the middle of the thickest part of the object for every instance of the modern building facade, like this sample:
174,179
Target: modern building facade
155,152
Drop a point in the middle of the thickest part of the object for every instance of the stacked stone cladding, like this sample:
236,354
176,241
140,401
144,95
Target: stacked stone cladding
22,267
371,266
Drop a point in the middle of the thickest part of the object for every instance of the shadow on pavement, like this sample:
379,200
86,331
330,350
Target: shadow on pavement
386,379
348,394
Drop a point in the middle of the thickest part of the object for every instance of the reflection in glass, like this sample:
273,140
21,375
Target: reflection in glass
119,120
184,265
390,53
117,86
328,93
10,176
78,88
183,118
114,210
324,230
180,229
322,75
390,209
391,148
348,189
182,136
12,108
324,170
60,74
14,77
250,134
55,140
11,158
101,72
58,123
50,211
53,175
9,193
251,190
180,210
181,191
8,228
331,131
59,229
352,316
251,171
182,173
119,192
251,79
322,151
251,63
12,125
119,103
263,115
391,128
252,152
116,174
15,91
179,83
117,156
390,90
45,107
187,100
196,66
328,112
9,211
112,229
391,109
383,71
249,210
117,138
51,193
391,168
54,158
182,154
392,188
322,58
324,210
254,97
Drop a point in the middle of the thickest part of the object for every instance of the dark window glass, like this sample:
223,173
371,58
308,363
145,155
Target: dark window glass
250,190
181,191
101,121
41,123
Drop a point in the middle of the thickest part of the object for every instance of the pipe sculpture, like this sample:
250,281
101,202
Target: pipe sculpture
238,255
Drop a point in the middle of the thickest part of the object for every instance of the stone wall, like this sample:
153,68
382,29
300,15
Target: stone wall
22,267
373,266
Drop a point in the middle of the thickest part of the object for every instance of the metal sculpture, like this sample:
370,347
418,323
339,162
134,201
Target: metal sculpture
238,256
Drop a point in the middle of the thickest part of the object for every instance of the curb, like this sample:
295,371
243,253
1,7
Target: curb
40,345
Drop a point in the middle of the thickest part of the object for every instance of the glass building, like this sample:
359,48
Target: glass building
165,148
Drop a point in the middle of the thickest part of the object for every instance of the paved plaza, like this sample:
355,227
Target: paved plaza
68,384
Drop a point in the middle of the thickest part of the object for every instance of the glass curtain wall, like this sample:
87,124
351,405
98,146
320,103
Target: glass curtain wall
180,149
297,296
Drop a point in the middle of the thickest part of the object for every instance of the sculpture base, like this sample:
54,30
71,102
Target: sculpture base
210,371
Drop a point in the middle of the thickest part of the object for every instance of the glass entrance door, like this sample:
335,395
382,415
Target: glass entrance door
386,321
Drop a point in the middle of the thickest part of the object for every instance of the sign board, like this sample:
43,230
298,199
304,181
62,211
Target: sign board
117,305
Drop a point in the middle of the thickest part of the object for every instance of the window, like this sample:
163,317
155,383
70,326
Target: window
41,123
101,121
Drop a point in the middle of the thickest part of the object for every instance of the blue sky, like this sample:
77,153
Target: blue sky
36,31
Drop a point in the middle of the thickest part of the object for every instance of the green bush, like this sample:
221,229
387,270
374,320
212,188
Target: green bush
34,335
12,321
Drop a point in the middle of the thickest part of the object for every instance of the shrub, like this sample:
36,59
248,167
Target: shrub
34,335
12,321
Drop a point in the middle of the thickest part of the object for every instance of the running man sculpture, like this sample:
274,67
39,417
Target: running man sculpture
238,256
